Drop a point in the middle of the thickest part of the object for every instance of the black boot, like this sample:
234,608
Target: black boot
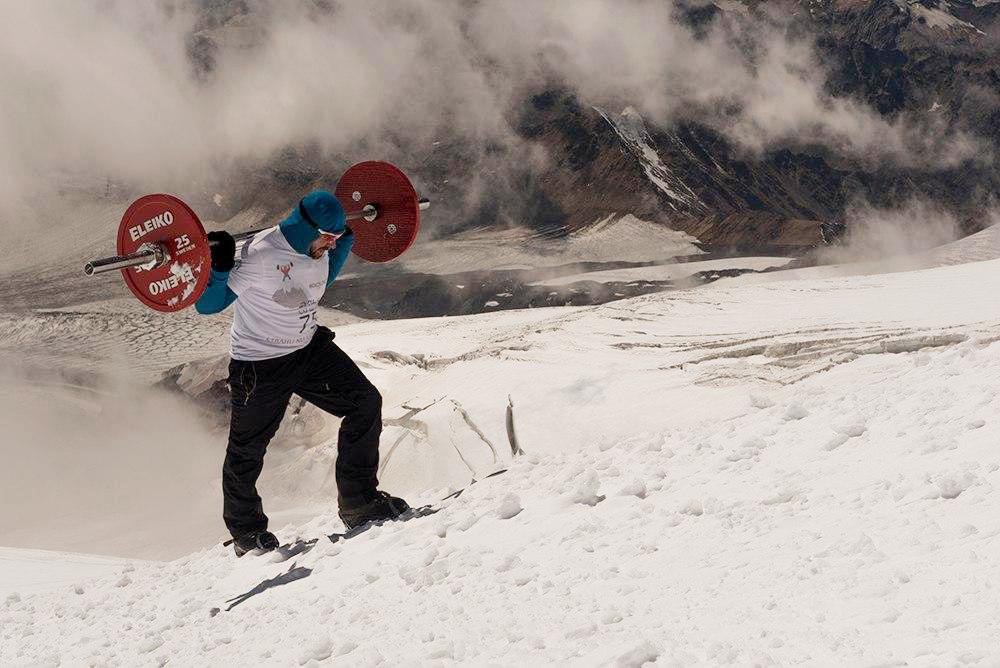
263,541
381,507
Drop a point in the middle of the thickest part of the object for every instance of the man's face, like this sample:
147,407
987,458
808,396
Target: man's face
324,242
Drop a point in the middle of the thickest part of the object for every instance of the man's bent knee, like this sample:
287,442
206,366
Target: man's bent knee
371,400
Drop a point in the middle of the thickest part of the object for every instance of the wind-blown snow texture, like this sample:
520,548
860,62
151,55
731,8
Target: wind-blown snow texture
792,472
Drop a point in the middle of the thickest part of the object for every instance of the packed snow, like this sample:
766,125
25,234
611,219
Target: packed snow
677,271
979,247
27,571
624,238
936,17
791,471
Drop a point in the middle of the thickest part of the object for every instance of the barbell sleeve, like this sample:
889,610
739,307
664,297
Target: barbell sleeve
108,264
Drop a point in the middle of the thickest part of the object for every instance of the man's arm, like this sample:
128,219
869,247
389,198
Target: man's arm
338,256
217,295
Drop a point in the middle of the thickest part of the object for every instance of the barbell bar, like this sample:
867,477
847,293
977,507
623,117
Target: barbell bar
165,256
154,255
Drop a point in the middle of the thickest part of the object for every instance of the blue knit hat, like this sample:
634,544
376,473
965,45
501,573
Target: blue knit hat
317,211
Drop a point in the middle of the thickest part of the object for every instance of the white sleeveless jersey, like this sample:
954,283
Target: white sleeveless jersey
278,290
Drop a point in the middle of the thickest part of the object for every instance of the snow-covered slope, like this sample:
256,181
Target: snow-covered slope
40,570
677,271
791,472
621,238
940,17
979,247
984,245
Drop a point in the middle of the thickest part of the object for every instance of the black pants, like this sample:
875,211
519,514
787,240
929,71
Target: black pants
322,374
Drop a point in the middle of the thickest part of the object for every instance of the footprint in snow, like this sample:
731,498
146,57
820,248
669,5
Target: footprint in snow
760,401
586,492
510,506
852,429
796,412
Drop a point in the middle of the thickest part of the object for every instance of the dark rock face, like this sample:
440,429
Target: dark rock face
935,64
932,63
592,174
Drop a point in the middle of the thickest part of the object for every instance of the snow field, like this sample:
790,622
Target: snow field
792,472
670,272
40,570
624,238
836,521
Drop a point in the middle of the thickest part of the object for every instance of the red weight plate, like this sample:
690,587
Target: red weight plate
398,221
166,220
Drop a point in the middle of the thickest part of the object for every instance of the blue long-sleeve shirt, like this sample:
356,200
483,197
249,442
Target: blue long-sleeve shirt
218,295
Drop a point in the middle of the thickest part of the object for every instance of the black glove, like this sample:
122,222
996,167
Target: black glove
223,248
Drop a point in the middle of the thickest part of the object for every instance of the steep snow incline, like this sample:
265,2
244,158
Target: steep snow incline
33,571
939,17
984,245
794,472
61,245
677,271
623,239
979,247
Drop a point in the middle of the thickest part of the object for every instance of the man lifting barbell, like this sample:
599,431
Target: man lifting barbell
277,346
278,349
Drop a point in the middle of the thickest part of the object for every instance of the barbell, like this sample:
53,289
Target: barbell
165,256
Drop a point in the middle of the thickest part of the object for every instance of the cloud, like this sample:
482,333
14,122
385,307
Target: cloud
749,78
104,465
118,90
897,235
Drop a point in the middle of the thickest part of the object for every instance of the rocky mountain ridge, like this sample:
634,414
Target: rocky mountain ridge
929,66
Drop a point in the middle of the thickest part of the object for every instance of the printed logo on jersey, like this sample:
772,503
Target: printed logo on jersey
290,294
